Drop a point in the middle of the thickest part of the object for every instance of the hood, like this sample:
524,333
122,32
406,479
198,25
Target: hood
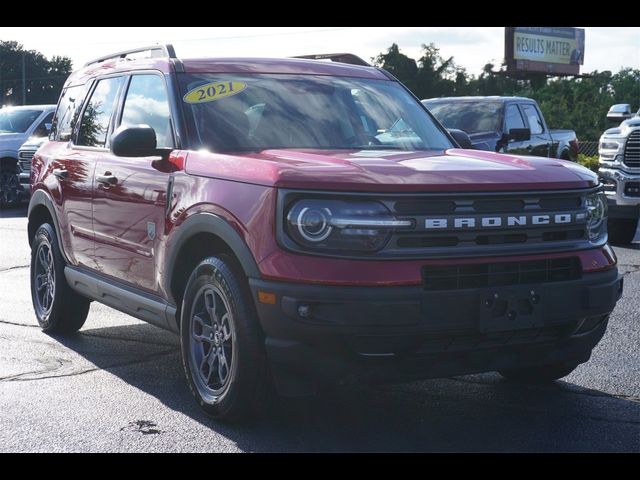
8,137
631,122
624,128
34,142
11,141
392,171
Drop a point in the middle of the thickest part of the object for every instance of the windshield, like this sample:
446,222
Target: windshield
472,117
257,112
17,121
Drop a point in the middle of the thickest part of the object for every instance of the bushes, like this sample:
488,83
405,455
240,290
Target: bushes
590,162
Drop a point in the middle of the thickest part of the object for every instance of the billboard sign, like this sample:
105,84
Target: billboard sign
552,50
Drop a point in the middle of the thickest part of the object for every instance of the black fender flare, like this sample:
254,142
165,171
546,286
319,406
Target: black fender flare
208,223
38,198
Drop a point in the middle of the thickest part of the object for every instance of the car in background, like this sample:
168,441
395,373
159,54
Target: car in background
512,125
17,125
25,155
619,171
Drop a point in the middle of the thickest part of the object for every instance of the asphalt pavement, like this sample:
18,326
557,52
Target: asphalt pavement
118,386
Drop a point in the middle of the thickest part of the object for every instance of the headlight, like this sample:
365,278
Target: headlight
341,226
596,204
609,145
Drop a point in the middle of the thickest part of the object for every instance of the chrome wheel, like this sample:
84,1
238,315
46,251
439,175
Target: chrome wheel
212,342
44,280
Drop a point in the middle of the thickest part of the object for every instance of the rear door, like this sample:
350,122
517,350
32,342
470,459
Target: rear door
71,179
130,200
540,144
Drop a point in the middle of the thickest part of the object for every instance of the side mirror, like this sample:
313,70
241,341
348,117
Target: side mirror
619,112
461,137
137,141
519,134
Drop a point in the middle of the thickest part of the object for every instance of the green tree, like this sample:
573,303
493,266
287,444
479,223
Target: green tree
399,65
44,78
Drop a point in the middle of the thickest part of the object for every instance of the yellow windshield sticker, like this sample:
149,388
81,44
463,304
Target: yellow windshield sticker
214,91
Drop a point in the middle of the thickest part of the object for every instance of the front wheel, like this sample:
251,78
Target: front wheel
221,341
539,374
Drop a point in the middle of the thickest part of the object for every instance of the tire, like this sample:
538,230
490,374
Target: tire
10,188
58,308
541,374
222,344
622,230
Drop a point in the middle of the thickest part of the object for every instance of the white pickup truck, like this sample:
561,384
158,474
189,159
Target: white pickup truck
17,124
619,171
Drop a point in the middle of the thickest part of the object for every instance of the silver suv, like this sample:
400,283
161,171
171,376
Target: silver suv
17,125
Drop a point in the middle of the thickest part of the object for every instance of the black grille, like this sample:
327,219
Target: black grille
457,277
24,158
632,150
473,238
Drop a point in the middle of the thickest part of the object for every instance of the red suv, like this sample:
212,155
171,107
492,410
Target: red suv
302,223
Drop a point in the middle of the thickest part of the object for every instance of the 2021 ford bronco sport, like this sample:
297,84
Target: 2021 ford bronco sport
302,223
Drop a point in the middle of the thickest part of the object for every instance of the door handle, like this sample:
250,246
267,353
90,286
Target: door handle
60,173
107,179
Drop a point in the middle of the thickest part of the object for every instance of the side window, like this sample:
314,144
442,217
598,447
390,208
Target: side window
94,125
535,123
67,113
42,130
512,118
147,103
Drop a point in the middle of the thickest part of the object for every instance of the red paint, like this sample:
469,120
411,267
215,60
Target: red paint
431,171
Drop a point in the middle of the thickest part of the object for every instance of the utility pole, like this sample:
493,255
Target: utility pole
24,83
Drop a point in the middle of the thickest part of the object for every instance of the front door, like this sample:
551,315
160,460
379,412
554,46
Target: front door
540,143
130,194
513,119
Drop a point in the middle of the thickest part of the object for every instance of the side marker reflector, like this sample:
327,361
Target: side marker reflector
268,298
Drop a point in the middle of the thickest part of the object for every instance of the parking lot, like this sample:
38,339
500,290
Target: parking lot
118,386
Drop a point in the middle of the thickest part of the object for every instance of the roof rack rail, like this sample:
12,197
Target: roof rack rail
349,58
165,51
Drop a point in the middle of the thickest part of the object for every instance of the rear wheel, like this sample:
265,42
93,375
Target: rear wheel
539,374
58,308
622,230
222,344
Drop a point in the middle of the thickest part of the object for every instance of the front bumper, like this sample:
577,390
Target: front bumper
326,334
624,200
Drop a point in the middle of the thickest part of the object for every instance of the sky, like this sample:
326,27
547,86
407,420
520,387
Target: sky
607,48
